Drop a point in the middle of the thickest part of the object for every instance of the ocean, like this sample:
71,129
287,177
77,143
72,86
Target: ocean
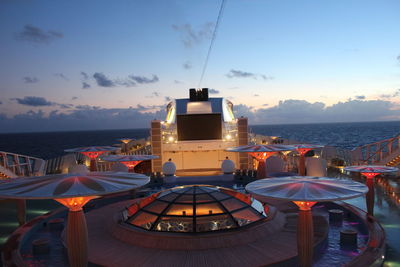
345,135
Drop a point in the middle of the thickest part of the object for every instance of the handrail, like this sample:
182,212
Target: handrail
388,144
26,168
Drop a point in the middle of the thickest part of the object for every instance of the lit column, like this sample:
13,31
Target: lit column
370,197
77,236
305,233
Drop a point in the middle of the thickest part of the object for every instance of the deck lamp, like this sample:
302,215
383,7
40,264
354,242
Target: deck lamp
73,191
92,152
305,192
370,171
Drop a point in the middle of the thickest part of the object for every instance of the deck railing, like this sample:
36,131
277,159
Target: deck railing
379,152
20,165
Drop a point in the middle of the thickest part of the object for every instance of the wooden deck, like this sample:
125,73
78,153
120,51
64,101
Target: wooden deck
258,245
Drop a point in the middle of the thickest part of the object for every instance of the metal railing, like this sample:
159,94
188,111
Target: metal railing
21,165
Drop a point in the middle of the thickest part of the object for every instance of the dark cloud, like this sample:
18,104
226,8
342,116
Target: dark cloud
177,82
33,101
65,105
87,107
244,74
398,57
62,76
187,65
153,94
396,93
143,79
28,79
102,80
168,99
213,91
36,35
301,111
84,75
191,36
1,102
256,95
360,97
74,98
85,85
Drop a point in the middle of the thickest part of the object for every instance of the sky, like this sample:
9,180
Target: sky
79,65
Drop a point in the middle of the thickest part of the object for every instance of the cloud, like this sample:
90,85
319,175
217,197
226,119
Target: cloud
62,76
153,94
1,102
30,79
74,98
84,75
36,35
256,95
144,80
190,36
187,65
244,74
33,101
398,57
301,111
168,99
360,97
239,74
213,91
396,93
177,82
102,80
85,85
85,118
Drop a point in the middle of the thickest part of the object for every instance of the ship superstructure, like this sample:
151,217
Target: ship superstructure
196,132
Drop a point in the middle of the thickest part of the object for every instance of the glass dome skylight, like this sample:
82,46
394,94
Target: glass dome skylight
194,208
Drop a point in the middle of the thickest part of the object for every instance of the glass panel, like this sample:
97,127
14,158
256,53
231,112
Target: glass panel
204,198
191,190
219,195
22,159
257,205
233,204
169,197
209,208
181,210
246,216
156,206
10,160
1,160
144,220
180,190
214,223
185,199
174,224
32,162
208,189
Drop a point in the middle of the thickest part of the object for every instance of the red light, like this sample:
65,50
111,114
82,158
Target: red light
75,203
303,151
370,175
93,155
304,205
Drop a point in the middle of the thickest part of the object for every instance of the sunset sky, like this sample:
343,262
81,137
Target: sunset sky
70,65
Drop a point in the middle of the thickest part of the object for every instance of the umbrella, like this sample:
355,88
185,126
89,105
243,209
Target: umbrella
92,152
261,153
305,191
303,149
370,171
73,191
129,160
125,142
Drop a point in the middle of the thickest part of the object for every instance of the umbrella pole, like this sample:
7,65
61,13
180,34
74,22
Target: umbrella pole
77,239
261,169
93,166
302,165
305,235
21,211
370,198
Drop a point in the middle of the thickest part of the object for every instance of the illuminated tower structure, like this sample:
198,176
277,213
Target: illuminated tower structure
196,132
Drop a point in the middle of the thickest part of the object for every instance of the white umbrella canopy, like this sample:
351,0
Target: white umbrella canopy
59,186
127,158
371,169
91,149
305,188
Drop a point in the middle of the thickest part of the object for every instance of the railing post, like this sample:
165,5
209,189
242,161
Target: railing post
380,149
367,152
